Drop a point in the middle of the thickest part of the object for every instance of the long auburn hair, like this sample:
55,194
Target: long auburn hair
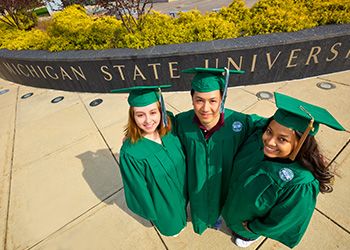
311,158
134,133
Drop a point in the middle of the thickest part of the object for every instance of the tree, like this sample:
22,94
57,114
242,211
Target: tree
18,13
131,13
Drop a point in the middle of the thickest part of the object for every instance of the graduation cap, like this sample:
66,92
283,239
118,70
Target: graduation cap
141,96
210,79
302,117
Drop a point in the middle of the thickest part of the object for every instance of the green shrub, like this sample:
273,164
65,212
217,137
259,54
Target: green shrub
157,29
19,39
329,11
72,29
238,14
71,20
160,29
191,26
195,27
102,32
268,16
7,33
68,29
26,21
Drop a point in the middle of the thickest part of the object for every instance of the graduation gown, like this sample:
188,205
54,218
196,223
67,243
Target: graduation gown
154,178
209,162
276,197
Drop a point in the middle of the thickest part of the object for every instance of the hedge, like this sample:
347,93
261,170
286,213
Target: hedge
74,29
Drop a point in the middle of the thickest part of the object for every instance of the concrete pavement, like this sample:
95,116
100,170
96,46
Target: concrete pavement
60,186
201,5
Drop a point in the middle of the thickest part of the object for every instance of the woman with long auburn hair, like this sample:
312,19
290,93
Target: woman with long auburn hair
152,163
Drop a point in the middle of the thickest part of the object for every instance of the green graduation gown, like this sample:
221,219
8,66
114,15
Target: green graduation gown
276,197
209,162
154,178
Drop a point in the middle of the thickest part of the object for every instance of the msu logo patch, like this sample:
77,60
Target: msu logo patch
237,126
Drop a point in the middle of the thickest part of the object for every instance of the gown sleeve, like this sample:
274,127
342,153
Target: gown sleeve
289,217
137,195
256,122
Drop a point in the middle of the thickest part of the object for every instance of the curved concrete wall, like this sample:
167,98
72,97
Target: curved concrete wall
264,58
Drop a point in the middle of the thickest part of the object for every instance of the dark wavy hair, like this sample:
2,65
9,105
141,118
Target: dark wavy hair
311,158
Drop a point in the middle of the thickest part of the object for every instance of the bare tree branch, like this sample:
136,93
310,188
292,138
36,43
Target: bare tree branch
11,10
131,13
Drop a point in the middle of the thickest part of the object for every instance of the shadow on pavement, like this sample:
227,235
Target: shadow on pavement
103,177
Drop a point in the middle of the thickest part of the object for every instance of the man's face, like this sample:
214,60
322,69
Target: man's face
206,106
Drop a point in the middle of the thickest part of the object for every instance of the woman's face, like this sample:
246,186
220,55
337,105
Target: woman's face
279,141
147,118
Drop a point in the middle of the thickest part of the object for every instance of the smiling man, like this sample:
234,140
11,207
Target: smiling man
206,107
211,136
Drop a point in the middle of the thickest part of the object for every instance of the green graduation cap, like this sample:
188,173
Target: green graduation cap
141,96
302,117
209,79
296,114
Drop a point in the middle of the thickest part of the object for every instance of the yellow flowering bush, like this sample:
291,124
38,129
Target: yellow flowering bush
191,26
195,27
74,29
268,16
157,29
329,11
19,39
238,14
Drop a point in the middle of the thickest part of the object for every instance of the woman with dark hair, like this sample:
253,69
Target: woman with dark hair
310,157
152,163
277,175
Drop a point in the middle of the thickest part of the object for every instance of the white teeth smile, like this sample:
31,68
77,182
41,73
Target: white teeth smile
269,149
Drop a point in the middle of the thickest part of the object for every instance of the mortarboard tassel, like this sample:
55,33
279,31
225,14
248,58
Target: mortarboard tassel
162,106
224,94
303,137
